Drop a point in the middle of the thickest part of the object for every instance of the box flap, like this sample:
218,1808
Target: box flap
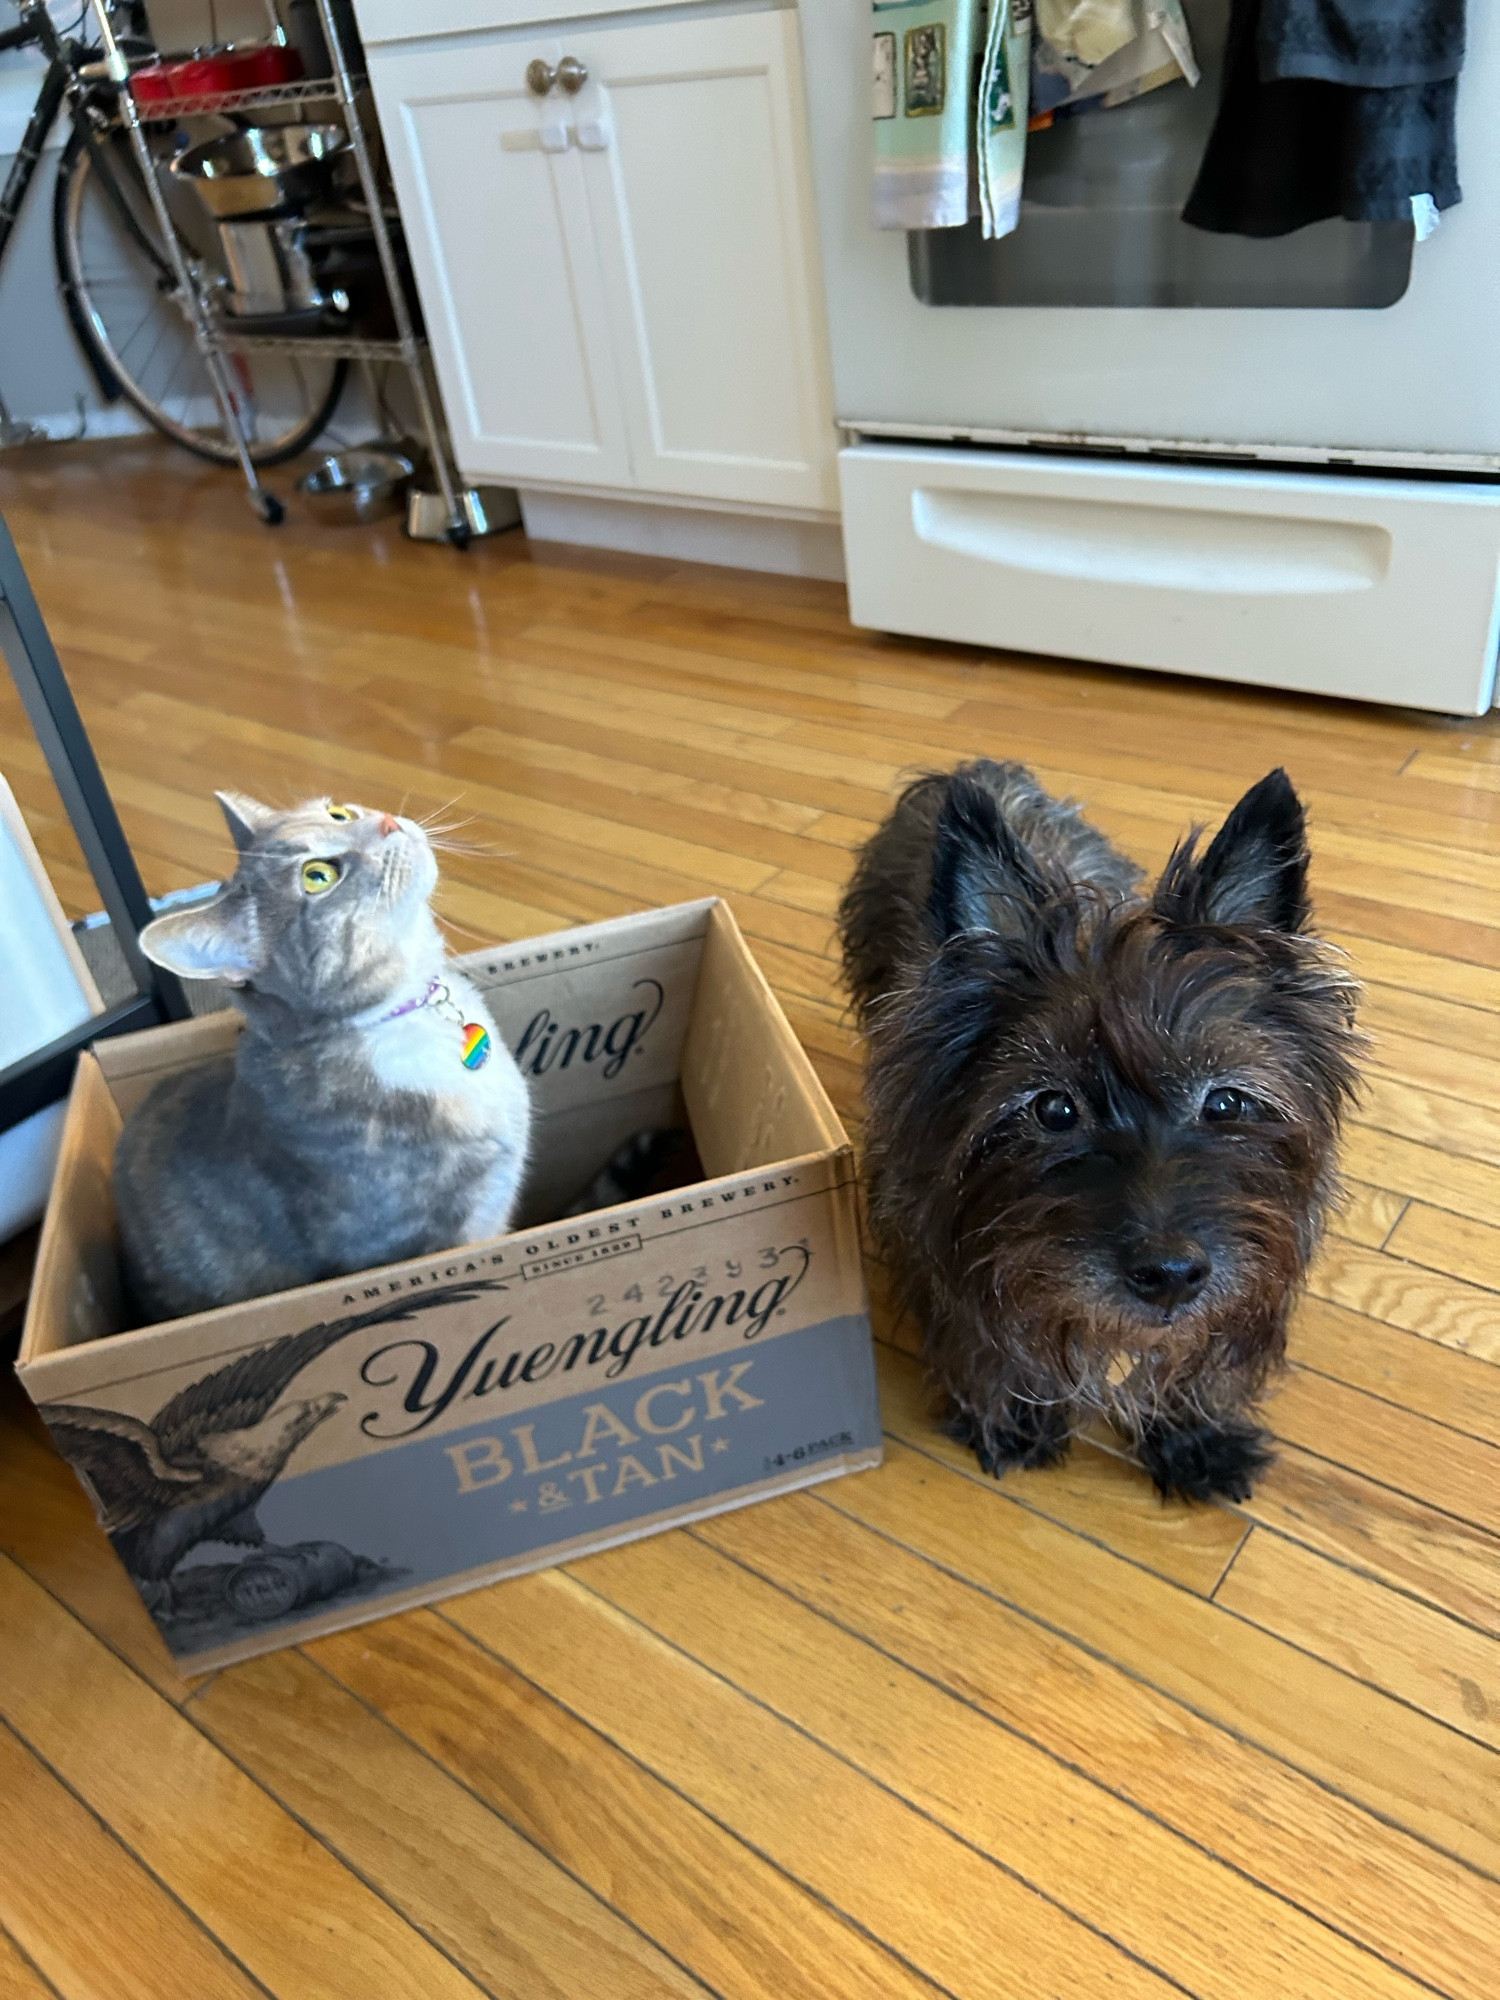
752,1095
75,1289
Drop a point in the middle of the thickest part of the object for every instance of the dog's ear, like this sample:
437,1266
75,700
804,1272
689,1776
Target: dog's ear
979,866
1255,869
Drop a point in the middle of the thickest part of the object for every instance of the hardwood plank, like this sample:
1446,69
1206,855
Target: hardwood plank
1428,972
1409,1650
423,1840
1364,1878
1347,1737
137,1943
1452,1388
19,1978
1367,1215
897,696
1452,1025
1384,1287
1453,1244
1447,1124
1399,1541
681,1878
1184,1913
1389,922
970,1926
1457,1073
1093,1493
1411,1454
1470,772
1447,1180
295,1918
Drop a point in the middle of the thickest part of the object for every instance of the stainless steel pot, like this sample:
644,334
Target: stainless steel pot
262,170
268,269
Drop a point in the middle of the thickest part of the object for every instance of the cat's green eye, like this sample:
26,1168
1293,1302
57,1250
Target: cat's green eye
341,813
318,877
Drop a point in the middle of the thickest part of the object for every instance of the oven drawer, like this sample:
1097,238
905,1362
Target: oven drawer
1379,589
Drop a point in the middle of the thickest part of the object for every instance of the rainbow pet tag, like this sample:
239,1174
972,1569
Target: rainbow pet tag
476,1049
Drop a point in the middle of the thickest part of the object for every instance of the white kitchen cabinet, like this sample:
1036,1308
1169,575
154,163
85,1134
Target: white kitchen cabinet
620,284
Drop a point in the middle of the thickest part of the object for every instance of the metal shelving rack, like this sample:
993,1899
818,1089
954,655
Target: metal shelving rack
463,512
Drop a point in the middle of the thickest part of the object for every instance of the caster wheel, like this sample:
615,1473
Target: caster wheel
271,510
460,537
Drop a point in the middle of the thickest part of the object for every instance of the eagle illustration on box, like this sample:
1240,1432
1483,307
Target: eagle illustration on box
197,1470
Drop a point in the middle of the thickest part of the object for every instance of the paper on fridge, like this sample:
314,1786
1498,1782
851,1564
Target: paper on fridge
1158,51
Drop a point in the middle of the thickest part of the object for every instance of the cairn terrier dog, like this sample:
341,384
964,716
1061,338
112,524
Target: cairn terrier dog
1102,1121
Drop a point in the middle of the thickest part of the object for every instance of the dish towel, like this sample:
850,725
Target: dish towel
923,84
1305,131
1004,102
1369,44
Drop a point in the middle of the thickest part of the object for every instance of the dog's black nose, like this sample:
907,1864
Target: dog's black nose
1169,1281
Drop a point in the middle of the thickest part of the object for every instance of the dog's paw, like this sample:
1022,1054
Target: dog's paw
1206,1461
1026,1434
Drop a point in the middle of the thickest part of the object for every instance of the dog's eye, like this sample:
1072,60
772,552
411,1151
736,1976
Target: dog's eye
1226,1107
318,877
1055,1111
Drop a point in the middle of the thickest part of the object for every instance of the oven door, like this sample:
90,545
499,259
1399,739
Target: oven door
1106,318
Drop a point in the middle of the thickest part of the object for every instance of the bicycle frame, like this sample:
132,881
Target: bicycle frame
64,79
35,28
60,82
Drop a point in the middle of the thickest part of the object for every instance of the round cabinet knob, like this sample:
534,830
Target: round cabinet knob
572,74
540,77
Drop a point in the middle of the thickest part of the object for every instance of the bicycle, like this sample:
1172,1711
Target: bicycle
137,292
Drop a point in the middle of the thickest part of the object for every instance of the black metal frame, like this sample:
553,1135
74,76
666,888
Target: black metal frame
45,1075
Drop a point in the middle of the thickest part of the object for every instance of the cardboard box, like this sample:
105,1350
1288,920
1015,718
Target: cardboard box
430,1426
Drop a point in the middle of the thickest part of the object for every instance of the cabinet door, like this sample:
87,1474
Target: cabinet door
692,137
497,219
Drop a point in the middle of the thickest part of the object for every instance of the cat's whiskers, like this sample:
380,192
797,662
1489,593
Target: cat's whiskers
484,848
426,820
457,924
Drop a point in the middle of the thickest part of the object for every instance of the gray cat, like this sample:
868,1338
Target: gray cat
371,1111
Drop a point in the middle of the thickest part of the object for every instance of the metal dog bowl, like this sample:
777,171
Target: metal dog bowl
263,169
362,484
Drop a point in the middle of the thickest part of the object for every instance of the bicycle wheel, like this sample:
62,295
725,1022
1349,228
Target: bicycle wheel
121,296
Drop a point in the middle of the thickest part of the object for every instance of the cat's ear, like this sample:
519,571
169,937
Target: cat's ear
217,940
979,866
1255,869
246,817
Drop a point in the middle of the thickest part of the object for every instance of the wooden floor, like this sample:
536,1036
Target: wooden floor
914,1733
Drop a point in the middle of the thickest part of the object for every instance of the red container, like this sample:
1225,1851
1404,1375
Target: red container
215,75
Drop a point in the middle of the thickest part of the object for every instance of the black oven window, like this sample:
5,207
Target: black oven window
1101,221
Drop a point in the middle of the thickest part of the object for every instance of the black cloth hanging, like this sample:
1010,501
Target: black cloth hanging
1300,136
1369,44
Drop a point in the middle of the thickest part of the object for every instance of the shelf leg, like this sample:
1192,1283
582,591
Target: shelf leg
266,504
433,427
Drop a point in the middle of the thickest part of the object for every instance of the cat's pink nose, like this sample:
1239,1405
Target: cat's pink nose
389,824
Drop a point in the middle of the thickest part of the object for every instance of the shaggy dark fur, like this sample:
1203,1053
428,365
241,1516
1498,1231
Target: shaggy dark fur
1102,1122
